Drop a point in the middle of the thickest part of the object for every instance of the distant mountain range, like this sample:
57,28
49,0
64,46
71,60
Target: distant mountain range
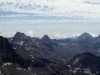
39,47
84,36
20,59
56,49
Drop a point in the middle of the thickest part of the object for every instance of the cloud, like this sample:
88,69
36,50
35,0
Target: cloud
14,16
1,34
76,35
30,33
7,34
60,36
67,35
72,9
94,35
96,2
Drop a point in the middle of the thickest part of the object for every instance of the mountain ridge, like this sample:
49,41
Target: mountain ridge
19,61
64,48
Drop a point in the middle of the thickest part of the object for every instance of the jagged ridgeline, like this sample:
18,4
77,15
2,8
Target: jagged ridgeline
20,62
56,49
24,55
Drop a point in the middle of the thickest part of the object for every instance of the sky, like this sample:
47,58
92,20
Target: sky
56,18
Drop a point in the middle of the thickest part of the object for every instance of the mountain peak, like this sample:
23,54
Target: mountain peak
46,39
46,36
19,34
84,36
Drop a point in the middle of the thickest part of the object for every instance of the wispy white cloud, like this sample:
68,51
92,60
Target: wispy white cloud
29,33
7,34
60,35
1,34
94,35
76,35
14,16
81,9
41,21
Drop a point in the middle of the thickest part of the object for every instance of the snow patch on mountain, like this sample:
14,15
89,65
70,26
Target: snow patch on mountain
5,64
76,60
88,71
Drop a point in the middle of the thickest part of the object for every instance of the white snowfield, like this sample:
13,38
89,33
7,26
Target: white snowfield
88,71
6,64
76,60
